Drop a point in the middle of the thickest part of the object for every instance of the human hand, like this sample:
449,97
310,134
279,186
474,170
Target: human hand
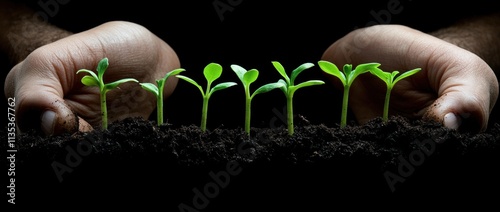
50,96
455,86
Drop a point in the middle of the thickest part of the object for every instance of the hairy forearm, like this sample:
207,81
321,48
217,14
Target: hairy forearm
22,31
480,35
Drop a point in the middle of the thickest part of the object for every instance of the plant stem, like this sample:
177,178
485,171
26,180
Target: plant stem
385,115
247,114
159,107
345,101
289,111
104,110
204,114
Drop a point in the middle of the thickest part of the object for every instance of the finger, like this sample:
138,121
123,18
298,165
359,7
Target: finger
458,112
465,104
463,83
84,126
40,105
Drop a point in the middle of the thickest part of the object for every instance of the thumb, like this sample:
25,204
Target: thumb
459,111
40,105
465,102
54,116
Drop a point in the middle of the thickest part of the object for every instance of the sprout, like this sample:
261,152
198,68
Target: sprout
347,78
97,80
289,88
247,78
158,92
212,72
390,80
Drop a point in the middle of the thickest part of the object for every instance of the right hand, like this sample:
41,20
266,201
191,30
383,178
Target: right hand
455,87
50,96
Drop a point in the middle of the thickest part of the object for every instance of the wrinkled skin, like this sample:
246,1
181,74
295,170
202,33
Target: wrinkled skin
455,86
46,80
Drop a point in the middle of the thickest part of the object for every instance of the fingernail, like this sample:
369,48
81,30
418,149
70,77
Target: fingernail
452,121
48,120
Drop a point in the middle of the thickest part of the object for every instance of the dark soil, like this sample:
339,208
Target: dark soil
180,168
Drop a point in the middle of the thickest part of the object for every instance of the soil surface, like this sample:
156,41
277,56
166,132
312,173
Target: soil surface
398,164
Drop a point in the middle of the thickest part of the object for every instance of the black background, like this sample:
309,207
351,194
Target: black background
252,34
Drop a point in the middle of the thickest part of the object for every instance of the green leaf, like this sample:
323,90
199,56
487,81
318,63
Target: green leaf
221,86
250,76
187,79
212,72
161,82
150,87
115,84
406,74
267,87
361,69
306,84
88,72
393,74
101,67
173,72
281,70
299,70
384,76
283,88
347,72
90,81
240,71
332,69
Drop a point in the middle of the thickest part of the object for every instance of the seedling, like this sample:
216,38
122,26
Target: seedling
247,78
212,72
347,78
97,80
158,92
289,88
390,80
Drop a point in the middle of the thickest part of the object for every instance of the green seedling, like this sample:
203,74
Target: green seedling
97,80
289,88
390,79
247,78
158,92
347,78
212,72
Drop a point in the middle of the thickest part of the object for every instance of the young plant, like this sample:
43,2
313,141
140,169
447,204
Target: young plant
158,92
97,80
347,78
390,79
289,88
212,72
247,78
